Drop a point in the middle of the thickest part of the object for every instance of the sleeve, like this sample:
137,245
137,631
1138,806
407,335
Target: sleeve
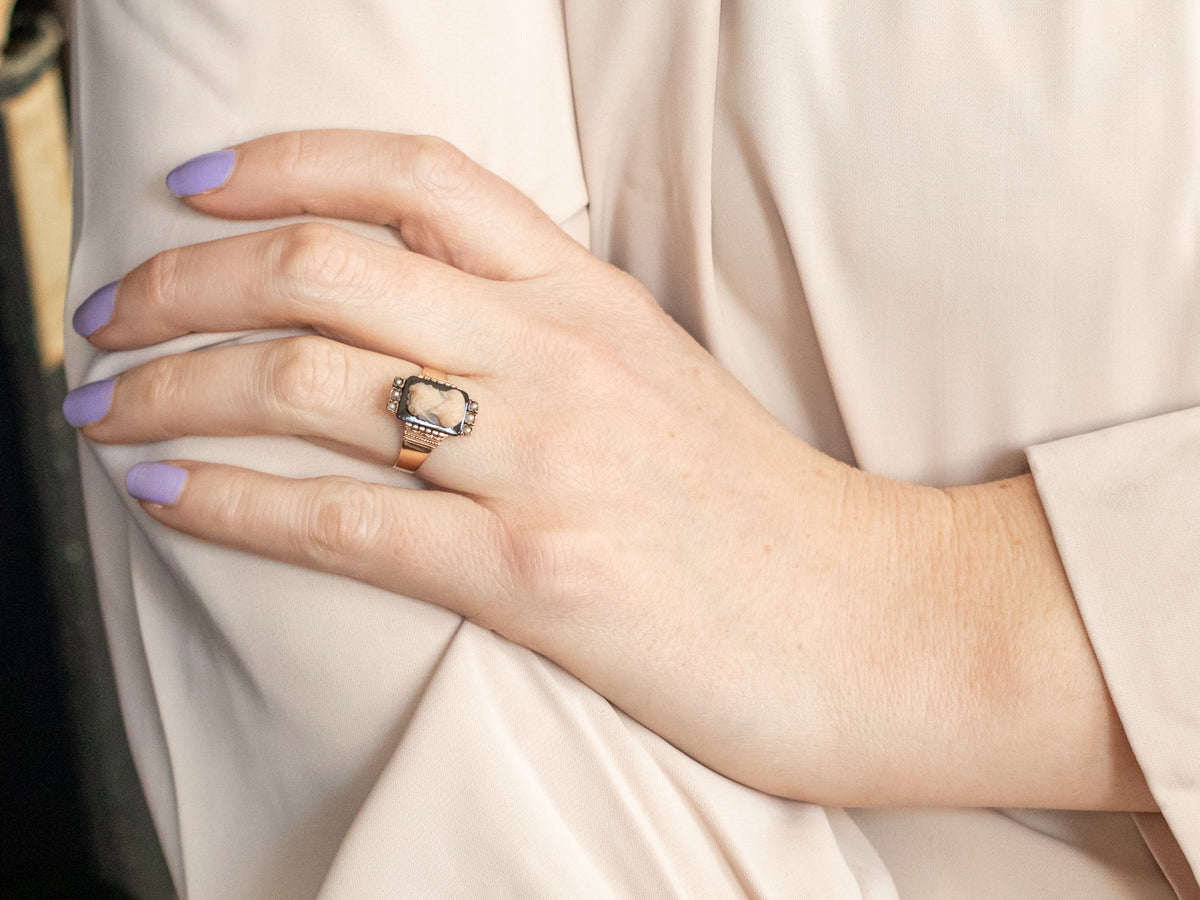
298,734
1124,506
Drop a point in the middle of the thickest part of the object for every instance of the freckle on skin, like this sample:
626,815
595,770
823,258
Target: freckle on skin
766,548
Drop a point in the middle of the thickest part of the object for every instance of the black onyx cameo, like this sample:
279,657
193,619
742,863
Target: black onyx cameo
435,405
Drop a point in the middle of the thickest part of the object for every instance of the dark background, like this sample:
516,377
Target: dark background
73,822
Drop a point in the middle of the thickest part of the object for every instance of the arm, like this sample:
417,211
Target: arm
807,628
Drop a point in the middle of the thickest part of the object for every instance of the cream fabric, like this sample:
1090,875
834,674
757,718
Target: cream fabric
928,236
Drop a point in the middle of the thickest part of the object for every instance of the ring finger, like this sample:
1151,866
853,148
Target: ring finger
309,386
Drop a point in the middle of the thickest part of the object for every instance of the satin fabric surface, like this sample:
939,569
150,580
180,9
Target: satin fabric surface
936,240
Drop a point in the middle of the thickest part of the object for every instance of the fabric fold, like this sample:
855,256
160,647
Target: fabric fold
1124,506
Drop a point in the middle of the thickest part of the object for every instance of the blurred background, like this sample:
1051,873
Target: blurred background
73,822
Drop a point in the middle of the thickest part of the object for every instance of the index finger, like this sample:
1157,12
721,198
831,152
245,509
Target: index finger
444,204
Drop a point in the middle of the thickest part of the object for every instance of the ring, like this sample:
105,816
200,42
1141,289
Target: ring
430,408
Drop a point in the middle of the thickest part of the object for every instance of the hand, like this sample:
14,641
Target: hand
623,506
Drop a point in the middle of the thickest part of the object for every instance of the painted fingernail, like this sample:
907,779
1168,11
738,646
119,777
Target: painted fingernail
202,173
88,403
155,482
95,311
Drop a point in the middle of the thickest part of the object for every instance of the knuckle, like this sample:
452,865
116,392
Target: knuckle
307,377
559,569
235,504
162,275
343,520
576,347
164,387
439,168
570,454
572,443
296,153
536,556
315,260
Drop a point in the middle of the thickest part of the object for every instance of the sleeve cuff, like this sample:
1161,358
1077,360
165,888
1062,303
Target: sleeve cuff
1124,507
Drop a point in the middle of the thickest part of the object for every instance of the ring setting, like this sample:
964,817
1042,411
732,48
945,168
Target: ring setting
432,409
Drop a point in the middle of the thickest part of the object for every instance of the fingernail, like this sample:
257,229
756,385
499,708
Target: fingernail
88,403
202,173
155,482
95,311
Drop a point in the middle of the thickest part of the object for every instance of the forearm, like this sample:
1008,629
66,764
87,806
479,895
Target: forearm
962,667
1040,697
935,654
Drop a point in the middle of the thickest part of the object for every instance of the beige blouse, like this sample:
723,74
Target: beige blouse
935,239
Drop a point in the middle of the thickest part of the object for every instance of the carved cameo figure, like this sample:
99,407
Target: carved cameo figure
443,407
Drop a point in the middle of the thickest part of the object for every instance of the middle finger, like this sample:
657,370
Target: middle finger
361,291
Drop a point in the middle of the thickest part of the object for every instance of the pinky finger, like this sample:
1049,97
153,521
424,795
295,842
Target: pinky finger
436,546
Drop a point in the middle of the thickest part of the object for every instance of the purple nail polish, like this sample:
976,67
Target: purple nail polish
155,482
95,311
88,403
202,173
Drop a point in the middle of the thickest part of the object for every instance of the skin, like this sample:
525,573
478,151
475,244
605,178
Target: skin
804,627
